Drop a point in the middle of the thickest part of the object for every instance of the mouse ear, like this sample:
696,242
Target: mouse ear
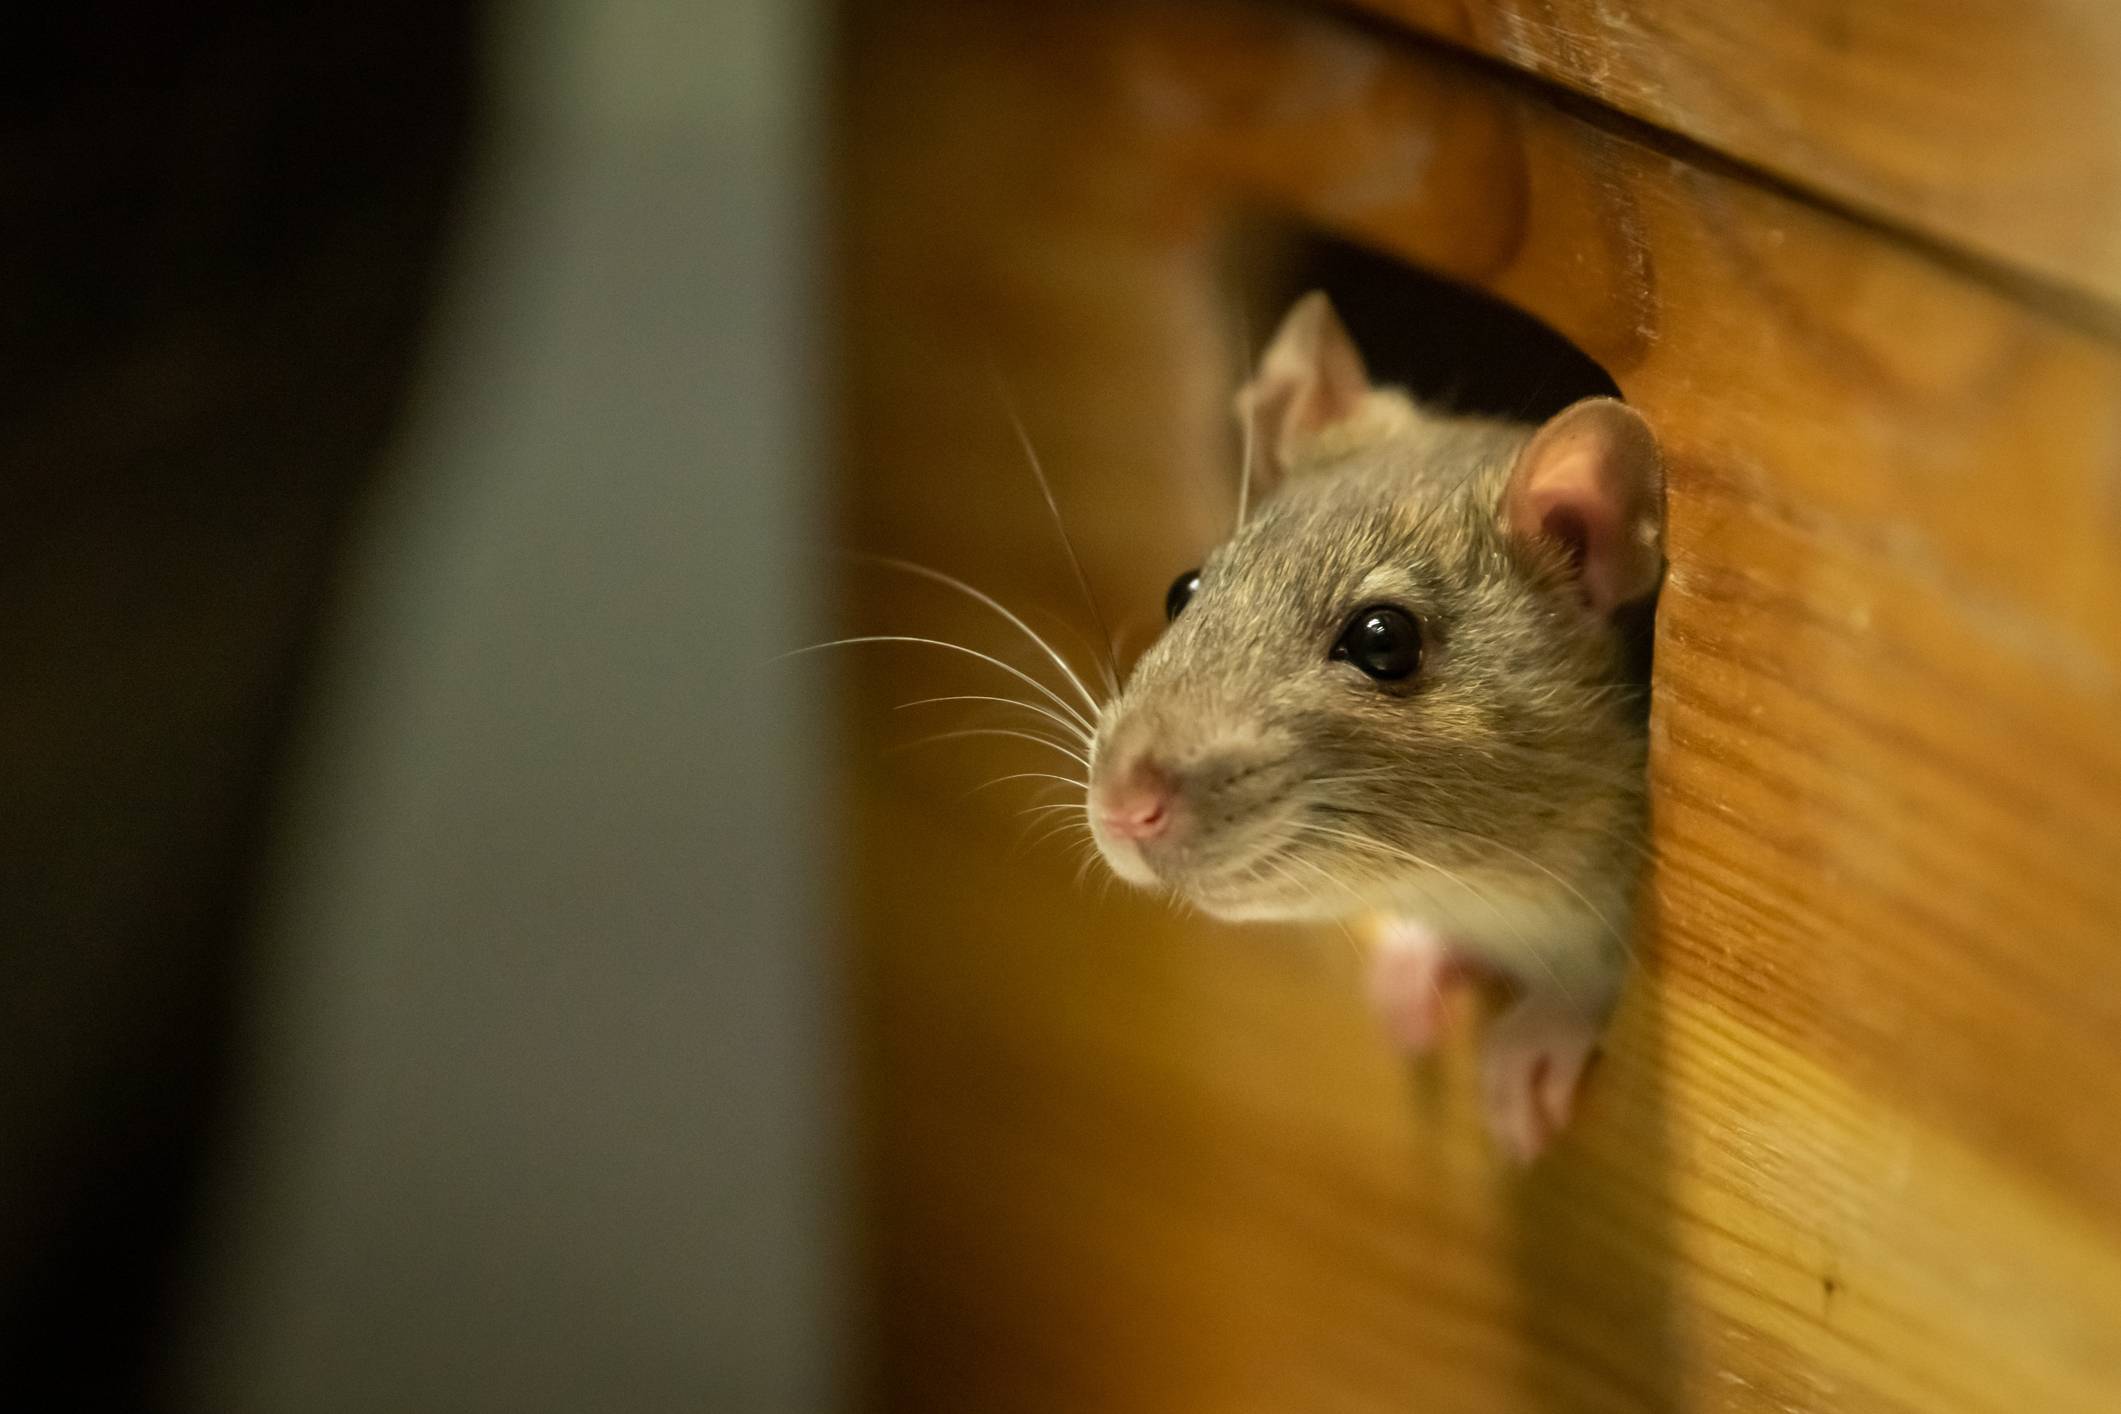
1590,481
1310,377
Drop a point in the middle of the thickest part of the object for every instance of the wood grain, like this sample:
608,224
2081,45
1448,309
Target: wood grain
1992,126
1854,1146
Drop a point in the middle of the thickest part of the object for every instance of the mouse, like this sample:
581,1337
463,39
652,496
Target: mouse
1403,692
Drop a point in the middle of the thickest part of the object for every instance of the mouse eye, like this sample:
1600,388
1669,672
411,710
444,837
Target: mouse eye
1180,592
1383,641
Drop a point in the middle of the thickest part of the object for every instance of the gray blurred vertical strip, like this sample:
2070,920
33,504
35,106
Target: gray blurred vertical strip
545,1119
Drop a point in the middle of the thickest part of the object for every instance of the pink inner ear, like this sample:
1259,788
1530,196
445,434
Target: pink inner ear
1564,524
1310,377
1582,522
1572,498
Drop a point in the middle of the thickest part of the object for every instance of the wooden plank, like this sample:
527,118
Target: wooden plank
1853,1147
1993,125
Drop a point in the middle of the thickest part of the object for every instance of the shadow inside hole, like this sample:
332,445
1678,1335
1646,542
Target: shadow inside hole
1451,346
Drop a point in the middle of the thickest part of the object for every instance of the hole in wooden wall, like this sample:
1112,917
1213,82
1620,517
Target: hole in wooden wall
1449,345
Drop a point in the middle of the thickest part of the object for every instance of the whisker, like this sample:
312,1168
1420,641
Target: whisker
1075,733
998,731
1564,764
1398,852
1378,773
1512,850
1045,487
1248,434
1019,674
1560,763
1079,638
1050,832
997,781
1133,627
953,582
1246,422
1075,805
1024,776
1333,885
1254,872
1596,912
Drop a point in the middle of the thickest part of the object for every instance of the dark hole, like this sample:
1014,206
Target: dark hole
1449,345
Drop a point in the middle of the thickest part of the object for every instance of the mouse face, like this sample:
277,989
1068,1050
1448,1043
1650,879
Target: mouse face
1401,674
1362,675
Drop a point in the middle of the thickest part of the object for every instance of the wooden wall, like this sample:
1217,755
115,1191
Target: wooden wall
1856,1144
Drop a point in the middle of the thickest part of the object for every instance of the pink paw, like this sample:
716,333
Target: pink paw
1536,1055
1408,976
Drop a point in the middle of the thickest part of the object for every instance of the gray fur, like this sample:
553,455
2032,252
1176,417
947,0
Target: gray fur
1511,764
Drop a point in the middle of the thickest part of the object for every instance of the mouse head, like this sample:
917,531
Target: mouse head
1404,660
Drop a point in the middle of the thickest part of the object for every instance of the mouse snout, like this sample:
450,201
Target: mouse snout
1136,802
1177,804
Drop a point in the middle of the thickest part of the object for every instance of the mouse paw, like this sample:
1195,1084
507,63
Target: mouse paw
1408,976
1535,1058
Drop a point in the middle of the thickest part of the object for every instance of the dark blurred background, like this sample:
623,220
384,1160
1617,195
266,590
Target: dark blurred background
412,966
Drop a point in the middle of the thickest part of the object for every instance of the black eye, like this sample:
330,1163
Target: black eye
1181,590
1384,642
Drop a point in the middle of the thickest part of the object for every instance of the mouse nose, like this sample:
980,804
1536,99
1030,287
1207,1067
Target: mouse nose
1137,804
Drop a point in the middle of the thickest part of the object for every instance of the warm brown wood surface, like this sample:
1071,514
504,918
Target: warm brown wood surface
1993,125
1857,1141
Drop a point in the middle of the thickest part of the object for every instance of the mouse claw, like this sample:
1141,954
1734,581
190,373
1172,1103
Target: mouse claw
1408,976
1535,1059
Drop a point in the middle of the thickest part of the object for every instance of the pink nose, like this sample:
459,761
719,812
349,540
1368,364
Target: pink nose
1137,806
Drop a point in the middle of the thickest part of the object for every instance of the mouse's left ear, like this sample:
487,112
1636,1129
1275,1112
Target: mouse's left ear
1310,378
1591,482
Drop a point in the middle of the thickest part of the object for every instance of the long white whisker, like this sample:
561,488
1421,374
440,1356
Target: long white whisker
1333,885
1512,850
1074,805
1303,894
1374,773
1596,912
1026,776
1054,831
1001,731
953,582
1080,638
1075,733
1045,488
1247,426
1019,674
1398,852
